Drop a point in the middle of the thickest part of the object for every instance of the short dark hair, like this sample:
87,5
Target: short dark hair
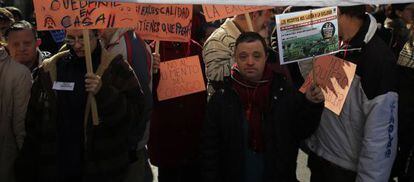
17,14
354,11
247,37
19,26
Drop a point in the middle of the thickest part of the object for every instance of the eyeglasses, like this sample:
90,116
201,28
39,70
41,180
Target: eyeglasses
72,40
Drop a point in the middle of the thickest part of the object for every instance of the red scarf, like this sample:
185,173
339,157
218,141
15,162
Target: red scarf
255,99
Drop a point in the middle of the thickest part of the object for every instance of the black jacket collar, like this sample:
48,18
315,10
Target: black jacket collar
355,46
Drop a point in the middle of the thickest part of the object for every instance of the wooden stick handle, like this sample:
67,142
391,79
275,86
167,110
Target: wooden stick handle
157,51
89,68
315,81
157,46
249,22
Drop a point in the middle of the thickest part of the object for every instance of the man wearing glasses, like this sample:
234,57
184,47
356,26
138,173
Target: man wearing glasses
62,144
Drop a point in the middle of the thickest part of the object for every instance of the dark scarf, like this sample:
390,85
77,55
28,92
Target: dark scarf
255,99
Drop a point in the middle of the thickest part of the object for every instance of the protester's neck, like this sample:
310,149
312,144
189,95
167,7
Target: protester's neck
30,64
352,29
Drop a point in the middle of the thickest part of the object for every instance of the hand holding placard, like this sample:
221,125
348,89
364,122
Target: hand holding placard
334,76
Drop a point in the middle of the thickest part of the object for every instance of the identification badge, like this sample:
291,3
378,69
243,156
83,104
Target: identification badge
64,86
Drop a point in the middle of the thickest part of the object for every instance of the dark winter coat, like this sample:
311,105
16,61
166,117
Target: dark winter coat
291,118
105,152
176,123
404,164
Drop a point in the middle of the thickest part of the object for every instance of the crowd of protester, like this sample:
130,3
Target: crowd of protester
248,125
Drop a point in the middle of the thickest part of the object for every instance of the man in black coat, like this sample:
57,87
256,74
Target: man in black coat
255,120
62,143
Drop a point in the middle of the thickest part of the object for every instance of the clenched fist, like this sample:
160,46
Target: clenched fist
92,83
314,94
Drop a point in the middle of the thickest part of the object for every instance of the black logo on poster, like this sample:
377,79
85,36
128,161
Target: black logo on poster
328,30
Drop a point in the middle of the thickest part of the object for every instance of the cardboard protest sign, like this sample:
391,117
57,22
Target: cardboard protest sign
334,76
164,22
306,34
180,77
152,22
76,14
217,12
273,2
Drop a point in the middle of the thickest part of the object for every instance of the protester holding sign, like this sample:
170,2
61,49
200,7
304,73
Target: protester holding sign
176,122
256,120
219,47
62,144
360,143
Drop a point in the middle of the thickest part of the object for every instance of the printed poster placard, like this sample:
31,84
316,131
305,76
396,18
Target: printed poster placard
307,34
167,22
180,77
334,76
